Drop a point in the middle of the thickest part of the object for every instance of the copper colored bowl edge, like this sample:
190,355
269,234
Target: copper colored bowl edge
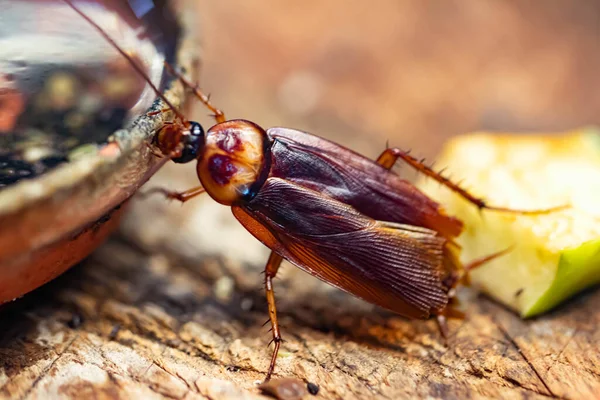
52,222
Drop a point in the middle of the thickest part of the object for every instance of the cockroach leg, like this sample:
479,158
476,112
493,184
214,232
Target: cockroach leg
442,318
153,113
452,281
129,58
270,271
478,262
442,324
388,158
205,99
155,152
179,196
463,276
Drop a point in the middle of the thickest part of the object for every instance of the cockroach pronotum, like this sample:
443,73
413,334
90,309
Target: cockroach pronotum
341,217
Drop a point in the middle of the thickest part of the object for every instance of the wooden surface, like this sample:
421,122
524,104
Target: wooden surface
172,306
162,326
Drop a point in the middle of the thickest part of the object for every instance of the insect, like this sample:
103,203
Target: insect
343,218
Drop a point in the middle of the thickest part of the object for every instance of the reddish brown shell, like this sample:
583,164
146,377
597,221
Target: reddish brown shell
233,161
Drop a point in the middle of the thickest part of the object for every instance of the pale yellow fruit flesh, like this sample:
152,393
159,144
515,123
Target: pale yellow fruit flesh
552,256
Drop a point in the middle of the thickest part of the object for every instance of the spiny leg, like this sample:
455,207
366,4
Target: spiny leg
205,99
270,271
463,276
162,111
478,262
442,320
179,196
442,324
388,158
387,161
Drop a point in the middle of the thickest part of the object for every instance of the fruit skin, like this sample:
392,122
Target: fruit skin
578,269
552,257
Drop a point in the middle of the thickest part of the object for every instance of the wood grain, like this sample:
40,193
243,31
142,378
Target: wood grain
159,326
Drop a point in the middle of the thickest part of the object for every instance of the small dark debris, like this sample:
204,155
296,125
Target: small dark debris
13,170
114,332
313,388
284,389
519,292
52,161
233,368
76,321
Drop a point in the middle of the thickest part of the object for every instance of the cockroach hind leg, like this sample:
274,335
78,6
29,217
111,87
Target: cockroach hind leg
465,276
442,324
270,271
543,211
390,156
442,320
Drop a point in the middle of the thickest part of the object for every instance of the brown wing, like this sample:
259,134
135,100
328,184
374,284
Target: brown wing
331,169
395,266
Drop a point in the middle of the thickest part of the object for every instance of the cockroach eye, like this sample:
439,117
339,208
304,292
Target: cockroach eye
192,143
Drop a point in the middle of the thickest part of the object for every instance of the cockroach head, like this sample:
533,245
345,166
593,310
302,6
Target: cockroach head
192,141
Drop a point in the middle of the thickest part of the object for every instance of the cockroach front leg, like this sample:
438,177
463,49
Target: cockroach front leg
172,195
204,98
388,158
270,271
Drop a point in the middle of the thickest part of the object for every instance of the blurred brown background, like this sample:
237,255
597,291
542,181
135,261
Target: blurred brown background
411,72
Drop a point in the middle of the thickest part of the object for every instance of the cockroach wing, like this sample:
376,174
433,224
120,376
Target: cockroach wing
349,177
395,266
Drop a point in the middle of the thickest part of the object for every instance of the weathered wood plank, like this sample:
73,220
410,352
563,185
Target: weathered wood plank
160,326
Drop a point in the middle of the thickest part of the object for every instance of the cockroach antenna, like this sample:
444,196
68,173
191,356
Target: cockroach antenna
135,65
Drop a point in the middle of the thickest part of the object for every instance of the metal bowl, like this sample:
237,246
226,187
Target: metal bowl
73,127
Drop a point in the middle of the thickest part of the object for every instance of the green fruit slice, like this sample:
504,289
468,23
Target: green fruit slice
552,256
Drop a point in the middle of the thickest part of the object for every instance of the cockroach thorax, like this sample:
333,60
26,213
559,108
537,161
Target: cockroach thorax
234,162
183,142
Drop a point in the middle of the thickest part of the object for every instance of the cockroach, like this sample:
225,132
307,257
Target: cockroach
343,218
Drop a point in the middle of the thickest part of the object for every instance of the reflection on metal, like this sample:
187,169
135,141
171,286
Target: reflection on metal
73,128
63,88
